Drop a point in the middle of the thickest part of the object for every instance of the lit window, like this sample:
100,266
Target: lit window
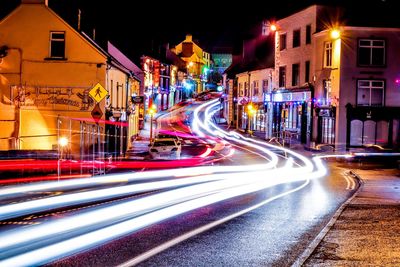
370,92
57,45
371,52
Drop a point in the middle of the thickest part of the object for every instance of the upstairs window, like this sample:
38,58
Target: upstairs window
328,55
295,74
57,45
371,53
265,86
282,76
308,34
255,88
282,41
307,74
296,38
370,92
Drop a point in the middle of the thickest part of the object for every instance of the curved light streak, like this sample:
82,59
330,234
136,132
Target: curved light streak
51,240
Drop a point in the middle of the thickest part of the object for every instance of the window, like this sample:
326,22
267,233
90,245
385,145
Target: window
327,87
282,76
256,88
371,52
57,45
308,34
307,76
245,89
370,92
296,38
282,41
295,74
265,86
328,55
240,89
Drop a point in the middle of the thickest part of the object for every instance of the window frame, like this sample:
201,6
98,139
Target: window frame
284,37
296,79
282,82
371,56
325,58
51,40
307,71
299,39
308,33
370,87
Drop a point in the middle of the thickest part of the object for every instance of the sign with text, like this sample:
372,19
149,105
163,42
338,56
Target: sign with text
137,99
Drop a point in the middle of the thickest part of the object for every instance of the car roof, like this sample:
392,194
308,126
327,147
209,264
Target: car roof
164,139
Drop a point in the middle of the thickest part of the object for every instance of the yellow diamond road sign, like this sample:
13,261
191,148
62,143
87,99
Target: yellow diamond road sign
98,92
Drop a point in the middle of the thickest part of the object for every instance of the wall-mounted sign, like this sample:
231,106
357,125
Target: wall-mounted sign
137,99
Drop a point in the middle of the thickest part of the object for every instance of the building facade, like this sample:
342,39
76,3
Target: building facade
336,84
47,71
197,60
357,87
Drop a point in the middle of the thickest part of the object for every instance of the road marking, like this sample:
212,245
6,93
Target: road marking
351,184
150,253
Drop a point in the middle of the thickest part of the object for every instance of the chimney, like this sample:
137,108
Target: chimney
43,2
188,38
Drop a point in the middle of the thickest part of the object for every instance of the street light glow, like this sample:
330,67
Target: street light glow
335,34
63,141
273,27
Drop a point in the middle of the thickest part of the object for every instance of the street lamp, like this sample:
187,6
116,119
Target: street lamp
152,111
62,142
250,112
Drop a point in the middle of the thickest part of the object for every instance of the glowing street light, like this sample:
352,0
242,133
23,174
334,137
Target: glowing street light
250,113
335,34
152,112
272,27
63,141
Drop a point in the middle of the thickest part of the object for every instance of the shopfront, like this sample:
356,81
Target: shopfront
291,114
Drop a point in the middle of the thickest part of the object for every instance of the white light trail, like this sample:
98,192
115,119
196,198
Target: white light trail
39,244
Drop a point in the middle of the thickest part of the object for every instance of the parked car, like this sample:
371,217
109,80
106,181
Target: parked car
165,148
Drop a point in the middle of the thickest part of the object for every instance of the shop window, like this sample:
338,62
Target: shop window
370,92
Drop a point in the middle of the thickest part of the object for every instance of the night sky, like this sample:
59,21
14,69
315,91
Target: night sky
136,29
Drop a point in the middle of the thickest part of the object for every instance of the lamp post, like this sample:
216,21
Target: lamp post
152,111
250,112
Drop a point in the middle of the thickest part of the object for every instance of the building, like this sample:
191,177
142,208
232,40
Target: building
47,73
336,84
221,59
123,103
357,87
197,60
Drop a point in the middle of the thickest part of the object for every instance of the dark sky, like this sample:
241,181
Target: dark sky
135,29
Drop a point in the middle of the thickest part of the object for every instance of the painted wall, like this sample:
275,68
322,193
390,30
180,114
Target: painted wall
35,90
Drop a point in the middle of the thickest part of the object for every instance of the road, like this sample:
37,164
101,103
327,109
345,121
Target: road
253,208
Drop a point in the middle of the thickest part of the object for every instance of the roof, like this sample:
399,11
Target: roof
123,60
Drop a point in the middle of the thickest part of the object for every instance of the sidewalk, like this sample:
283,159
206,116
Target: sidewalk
366,231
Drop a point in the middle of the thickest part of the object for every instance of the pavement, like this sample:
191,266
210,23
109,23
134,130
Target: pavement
365,230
